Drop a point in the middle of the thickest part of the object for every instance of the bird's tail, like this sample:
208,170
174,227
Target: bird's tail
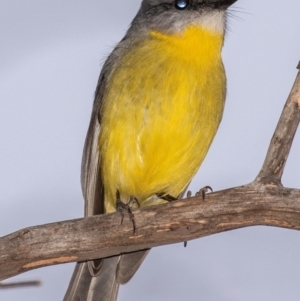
104,284
85,287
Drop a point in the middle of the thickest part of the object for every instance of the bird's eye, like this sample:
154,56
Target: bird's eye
181,4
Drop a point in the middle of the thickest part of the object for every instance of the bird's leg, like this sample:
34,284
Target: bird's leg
121,207
170,198
132,200
188,195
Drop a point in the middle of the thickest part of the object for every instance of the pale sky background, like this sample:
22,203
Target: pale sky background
51,54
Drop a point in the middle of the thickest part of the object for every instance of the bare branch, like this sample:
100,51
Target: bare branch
281,142
103,236
263,202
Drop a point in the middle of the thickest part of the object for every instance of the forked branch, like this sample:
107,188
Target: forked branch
262,202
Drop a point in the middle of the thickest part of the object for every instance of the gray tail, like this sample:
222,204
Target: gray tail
104,285
84,287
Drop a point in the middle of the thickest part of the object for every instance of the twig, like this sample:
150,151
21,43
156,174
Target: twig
19,284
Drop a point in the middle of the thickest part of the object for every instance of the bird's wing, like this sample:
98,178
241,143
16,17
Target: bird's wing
91,181
99,280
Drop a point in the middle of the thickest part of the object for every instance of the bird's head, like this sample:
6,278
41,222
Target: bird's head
173,16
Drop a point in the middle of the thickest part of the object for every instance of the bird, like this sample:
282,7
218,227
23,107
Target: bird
158,104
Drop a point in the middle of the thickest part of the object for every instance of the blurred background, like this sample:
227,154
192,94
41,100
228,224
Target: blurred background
51,54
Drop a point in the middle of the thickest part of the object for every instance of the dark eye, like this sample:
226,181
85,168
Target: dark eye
181,4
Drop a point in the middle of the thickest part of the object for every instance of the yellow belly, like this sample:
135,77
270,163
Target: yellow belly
161,110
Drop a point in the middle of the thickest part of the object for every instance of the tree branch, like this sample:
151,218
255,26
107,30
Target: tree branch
262,202
103,236
282,139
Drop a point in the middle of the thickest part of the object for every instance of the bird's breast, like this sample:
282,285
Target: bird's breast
161,109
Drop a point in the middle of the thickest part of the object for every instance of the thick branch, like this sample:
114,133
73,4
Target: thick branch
102,236
258,203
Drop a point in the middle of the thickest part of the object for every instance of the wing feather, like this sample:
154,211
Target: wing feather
99,279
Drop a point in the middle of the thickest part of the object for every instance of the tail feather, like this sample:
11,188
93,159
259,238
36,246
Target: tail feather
84,287
105,286
80,283
129,264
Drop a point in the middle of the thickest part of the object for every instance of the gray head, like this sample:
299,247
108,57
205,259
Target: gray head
171,16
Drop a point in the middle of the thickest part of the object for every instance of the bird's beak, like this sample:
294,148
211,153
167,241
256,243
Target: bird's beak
226,3
220,4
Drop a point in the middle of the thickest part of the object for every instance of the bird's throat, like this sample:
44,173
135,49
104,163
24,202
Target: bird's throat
195,44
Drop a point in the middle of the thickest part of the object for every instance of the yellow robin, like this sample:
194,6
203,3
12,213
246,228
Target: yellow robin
158,104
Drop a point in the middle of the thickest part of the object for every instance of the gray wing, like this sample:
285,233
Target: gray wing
91,182
99,280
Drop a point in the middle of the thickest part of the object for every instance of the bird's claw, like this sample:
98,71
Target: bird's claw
203,191
122,207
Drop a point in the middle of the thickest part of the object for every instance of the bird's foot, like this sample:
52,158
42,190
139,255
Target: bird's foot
203,191
122,208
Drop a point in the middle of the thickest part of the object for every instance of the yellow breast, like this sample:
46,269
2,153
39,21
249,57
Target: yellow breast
162,107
